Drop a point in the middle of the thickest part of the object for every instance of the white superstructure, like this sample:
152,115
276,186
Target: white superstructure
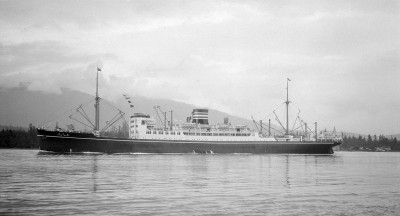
143,126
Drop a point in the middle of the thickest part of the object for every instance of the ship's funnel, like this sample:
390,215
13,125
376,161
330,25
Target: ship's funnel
200,116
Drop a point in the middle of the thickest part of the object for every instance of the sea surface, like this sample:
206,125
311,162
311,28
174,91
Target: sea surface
346,183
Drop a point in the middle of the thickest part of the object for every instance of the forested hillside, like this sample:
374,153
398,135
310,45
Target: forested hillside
18,137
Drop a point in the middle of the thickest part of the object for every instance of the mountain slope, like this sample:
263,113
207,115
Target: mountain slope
20,107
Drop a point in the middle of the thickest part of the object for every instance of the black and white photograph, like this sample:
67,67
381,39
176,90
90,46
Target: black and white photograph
199,107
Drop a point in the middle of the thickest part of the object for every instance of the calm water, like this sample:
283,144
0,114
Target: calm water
346,183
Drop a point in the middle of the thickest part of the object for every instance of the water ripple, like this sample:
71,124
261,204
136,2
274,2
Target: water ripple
346,183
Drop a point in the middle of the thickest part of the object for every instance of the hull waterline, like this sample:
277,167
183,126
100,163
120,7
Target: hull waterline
68,144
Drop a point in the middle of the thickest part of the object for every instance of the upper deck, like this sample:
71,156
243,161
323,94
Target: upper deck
143,126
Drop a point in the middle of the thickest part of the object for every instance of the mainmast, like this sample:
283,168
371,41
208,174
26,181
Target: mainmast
97,104
287,106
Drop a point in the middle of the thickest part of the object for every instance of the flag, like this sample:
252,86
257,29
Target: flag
289,79
98,69
131,106
126,96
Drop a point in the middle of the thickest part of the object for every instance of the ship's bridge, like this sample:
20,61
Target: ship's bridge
139,123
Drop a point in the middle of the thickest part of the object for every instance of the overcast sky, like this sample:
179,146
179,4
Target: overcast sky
342,56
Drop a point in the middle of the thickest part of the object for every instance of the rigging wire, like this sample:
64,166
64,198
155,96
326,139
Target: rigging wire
159,118
268,126
62,114
105,102
277,107
294,124
293,111
83,113
80,121
116,118
277,119
113,120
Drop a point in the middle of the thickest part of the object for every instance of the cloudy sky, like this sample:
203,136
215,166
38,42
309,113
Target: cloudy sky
342,56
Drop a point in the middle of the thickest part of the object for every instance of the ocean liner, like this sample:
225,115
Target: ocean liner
196,135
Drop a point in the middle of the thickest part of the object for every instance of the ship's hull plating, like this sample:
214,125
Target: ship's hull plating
68,144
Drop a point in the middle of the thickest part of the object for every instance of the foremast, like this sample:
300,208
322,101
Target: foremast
287,106
97,104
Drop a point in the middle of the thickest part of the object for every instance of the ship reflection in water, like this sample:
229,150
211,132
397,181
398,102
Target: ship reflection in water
187,184
94,173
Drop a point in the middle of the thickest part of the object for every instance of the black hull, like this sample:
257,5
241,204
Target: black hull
72,144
